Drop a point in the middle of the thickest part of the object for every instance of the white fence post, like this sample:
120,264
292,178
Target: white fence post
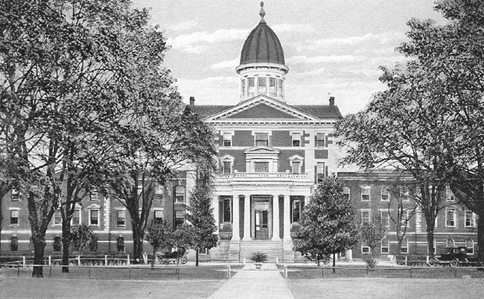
78,260
128,262
106,260
277,260
24,262
50,260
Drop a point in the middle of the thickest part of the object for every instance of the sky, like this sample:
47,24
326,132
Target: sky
332,47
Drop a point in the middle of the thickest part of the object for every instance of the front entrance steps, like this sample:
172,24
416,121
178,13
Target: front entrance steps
273,248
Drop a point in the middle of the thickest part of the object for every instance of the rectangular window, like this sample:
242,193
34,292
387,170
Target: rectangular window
404,248
57,217
296,210
76,217
365,194
121,217
179,218
405,218
385,246
227,139
158,216
404,194
384,194
261,166
365,217
94,217
262,82
261,139
227,165
14,195
365,249
449,195
180,194
296,140
450,218
320,170
14,217
385,218
346,193
226,208
296,167
94,195
320,140
469,219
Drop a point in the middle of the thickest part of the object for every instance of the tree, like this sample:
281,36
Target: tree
163,138
328,223
157,235
401,209
406,127
200,216
372,232
182,240
454,54
82,237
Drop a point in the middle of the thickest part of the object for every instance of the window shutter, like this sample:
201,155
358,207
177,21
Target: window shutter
220,211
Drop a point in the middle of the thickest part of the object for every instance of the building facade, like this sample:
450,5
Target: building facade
271,154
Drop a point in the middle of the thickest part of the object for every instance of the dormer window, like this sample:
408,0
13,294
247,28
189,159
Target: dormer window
261,139
227,139
296,139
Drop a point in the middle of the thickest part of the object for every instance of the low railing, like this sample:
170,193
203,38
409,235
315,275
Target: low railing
138,272
301,272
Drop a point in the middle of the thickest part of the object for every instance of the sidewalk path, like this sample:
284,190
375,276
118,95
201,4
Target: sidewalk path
251,283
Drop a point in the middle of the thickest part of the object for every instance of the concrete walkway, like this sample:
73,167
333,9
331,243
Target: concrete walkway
251,283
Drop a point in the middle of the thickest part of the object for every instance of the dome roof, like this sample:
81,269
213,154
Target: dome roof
262,46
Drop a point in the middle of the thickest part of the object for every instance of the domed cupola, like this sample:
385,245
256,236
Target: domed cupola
262,67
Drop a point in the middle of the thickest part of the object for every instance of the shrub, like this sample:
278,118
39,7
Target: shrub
259,257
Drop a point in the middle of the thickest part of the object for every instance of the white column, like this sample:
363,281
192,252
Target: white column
247,231
216,212
275,217
287,221
235,221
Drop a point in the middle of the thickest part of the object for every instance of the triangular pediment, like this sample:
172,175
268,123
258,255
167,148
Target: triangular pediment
262,150
261,107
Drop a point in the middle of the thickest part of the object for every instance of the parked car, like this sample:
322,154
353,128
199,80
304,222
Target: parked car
452,256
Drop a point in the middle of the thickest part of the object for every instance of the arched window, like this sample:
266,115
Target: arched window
180,194
14,244
57,244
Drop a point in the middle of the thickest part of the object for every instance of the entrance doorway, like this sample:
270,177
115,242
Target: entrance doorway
261,218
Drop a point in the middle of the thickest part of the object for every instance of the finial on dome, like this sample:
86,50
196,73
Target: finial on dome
262,12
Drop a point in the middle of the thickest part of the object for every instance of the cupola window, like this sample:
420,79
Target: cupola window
242,87
262,85
251,83
272,87
280,91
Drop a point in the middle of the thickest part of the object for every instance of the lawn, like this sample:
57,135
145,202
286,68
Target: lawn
384,288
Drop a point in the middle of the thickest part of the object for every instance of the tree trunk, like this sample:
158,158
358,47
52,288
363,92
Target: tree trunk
137,245
196,258
430,239
66,242
480,238
39,246
334,262
153,258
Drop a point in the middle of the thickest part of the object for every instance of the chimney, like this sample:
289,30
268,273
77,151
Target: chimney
331,101
192,101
